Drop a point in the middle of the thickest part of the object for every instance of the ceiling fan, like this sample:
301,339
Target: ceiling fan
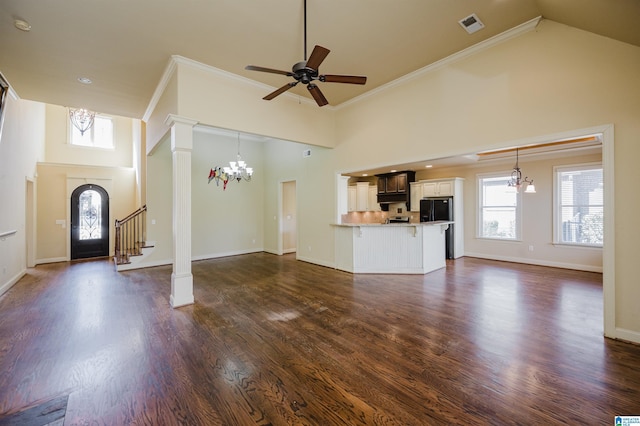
306,72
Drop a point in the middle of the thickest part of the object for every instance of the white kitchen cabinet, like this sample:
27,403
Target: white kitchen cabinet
373,205
416,195
362,197
351,195
443,188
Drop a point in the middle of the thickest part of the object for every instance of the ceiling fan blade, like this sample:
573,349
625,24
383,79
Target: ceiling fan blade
271,70
317,95
349,79
280,91
317,56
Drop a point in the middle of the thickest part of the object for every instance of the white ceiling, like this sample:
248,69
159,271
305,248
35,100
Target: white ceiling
124,46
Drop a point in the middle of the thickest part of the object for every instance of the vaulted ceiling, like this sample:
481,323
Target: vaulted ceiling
123,47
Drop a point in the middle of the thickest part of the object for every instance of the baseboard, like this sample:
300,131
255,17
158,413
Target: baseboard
51,260
142,265
225,254
626,335
6,286
577,267
316,262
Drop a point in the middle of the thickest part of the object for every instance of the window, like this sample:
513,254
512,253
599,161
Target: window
90,205
579,205
100,135
499,212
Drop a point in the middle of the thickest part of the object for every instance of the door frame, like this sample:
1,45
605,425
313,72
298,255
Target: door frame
30,221
102,244
281,214
74,182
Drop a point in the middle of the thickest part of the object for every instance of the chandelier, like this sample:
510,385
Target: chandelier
82,119
517,181
238,169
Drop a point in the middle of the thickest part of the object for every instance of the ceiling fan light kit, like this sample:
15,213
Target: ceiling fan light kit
306,72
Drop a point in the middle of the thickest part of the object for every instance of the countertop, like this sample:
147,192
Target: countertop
437,222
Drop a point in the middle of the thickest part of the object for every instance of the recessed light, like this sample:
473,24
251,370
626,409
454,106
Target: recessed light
365,174
84,80
22,25
393,171
428,166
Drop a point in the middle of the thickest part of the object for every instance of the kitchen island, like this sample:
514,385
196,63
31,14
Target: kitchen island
395,248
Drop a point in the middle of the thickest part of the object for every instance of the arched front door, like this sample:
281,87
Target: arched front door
89,222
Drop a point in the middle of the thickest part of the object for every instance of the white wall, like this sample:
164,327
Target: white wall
60,151
21,146
284,162
159,204
225,221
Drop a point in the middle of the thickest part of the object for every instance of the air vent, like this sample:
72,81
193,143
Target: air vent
471,23
306,153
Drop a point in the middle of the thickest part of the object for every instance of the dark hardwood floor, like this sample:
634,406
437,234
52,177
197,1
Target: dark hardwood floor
271,340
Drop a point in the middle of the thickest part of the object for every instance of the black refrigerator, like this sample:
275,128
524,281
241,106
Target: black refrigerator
439,208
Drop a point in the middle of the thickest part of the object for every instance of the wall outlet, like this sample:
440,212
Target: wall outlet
309,248
531,248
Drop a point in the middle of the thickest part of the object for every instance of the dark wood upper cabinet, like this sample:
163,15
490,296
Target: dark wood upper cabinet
392,184
395,183
394,188
382,185
401,182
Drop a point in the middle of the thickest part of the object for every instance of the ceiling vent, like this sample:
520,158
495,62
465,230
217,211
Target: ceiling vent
471,23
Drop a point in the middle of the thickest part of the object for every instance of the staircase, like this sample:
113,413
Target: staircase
131,242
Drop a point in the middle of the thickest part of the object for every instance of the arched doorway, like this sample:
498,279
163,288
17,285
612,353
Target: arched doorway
89,222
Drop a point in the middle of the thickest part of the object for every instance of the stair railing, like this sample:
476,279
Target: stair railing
131,233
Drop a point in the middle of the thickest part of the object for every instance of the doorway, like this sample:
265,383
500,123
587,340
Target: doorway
89,222
289,224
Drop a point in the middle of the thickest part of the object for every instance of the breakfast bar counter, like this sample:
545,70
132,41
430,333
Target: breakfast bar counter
396,248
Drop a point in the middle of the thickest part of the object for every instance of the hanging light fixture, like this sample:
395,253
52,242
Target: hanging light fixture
82,119
517,181
238,169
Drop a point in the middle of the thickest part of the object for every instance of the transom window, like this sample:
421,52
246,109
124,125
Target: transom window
499,208
579,205
100,135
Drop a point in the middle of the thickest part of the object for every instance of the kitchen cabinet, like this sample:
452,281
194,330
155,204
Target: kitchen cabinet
395,183
394,188
351,198
373,199
362,197
442,188
416,195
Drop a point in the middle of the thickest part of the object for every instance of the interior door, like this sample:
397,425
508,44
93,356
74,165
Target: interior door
89,222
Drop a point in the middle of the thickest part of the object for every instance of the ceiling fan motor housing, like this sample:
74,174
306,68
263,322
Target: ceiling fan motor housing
304,74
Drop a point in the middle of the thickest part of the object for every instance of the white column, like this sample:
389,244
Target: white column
181,147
